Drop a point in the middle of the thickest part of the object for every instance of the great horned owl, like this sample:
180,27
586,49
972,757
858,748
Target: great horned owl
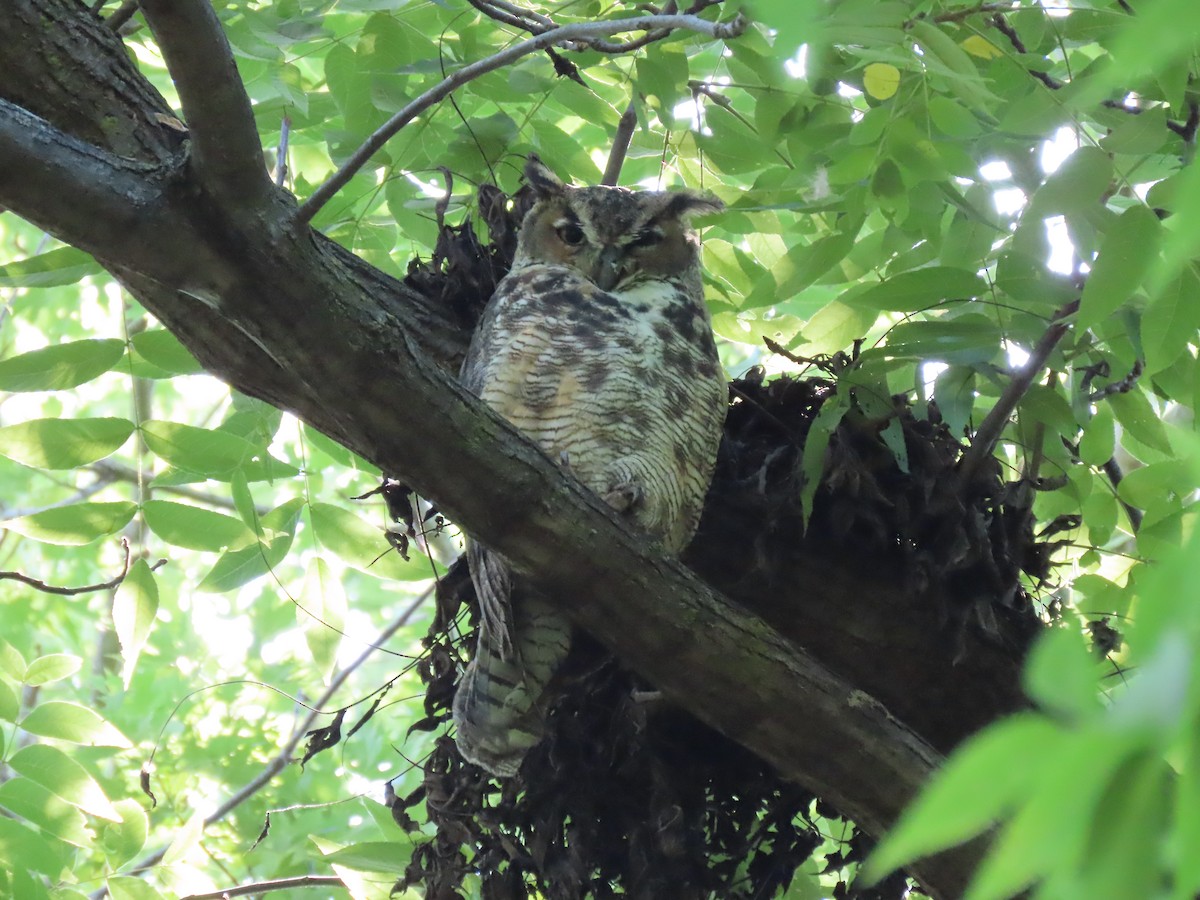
598,346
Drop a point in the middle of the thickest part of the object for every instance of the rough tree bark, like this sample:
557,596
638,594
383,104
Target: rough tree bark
193,227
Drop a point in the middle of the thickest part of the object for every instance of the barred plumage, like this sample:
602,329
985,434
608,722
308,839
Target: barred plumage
597,345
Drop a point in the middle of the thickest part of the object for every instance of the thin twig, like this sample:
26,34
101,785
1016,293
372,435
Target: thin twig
1124,386
280,760
102,481
993,425
575,32
263,887
40,585
281,154
958,15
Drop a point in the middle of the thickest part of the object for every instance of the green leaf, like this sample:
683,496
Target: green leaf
237,567
68,721
162,350
372,856
1129,250
1061,676
65,265
122,841
202,450
1170,322
364,547
321,612
194,527
32,802
65,778
74,525
1099,438
135,607
59,367
1067,781
1079,185
919,289
35,852
977,786
126,887
12,663
969,339
51,668
185,839
10,704
63,443
1137,416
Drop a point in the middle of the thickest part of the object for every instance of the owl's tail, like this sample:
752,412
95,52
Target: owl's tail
500,707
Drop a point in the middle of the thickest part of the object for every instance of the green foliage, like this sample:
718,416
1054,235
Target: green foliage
916,178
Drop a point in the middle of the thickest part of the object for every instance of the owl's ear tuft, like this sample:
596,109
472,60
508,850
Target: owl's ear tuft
692,203
541,178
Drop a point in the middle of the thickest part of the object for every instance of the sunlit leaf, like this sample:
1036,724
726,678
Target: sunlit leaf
135,607
194,527
74,525
63,443
162,350
50,668
122,841
202,450
59,367
67,721
35,804
66,265
185,839
321,612
364,547
65,778
236,567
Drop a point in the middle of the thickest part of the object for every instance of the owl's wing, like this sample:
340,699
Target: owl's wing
493,588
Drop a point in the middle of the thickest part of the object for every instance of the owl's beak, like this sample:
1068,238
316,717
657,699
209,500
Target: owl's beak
608,268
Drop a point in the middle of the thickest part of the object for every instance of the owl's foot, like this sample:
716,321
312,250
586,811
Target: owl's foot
625,496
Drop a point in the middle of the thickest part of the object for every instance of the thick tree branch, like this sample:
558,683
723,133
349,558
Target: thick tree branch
577,31
225,146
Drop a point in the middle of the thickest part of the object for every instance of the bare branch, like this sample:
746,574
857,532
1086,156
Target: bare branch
988,434
122,14
40,585
580,31
228,155
620,145
263,887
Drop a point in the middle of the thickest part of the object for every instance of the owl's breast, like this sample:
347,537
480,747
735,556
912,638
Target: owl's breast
600,375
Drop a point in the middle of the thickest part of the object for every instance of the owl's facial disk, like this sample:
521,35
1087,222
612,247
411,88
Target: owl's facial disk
608,256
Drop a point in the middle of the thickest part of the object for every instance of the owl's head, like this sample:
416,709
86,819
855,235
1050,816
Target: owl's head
613,236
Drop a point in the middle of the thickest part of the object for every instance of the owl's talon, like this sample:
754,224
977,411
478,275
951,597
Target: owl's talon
625,497
564,459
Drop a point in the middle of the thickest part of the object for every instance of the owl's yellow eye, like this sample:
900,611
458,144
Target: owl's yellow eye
571,234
